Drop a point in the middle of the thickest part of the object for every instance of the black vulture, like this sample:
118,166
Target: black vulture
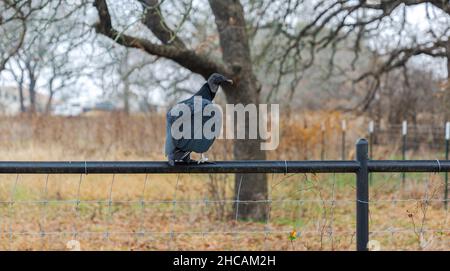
179,149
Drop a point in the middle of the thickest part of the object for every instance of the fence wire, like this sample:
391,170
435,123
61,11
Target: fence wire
183,212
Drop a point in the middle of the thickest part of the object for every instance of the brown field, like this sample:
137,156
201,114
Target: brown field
194,212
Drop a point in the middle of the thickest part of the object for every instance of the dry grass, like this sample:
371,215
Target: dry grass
138,212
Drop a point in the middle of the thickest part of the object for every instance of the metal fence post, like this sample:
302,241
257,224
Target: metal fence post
371,130
305,145
344,128
447,139
322,151
404,134
362,196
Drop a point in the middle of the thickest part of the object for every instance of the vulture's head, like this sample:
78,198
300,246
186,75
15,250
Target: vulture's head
216,80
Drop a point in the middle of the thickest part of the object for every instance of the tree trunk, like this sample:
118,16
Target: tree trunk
21,98
248,187
230,21
32,92
48,106
31,88
125,73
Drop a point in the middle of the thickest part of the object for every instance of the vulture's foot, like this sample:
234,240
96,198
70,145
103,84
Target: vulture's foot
182,162
203,159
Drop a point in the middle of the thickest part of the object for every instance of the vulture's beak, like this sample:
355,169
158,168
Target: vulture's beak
230,81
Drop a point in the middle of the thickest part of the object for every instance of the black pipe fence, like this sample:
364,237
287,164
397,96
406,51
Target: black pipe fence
362,167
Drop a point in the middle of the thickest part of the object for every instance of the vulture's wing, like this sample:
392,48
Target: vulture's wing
170,145
192,144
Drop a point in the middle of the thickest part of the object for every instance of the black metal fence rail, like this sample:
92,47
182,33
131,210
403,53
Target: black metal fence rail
253,166
362,167
137,167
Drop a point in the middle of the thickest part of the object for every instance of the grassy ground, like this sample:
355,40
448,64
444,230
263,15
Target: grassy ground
186,212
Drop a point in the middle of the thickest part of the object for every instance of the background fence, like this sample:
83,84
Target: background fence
428,221
402,138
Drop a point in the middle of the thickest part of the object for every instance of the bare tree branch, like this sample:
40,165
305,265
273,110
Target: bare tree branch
154,20
189,59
